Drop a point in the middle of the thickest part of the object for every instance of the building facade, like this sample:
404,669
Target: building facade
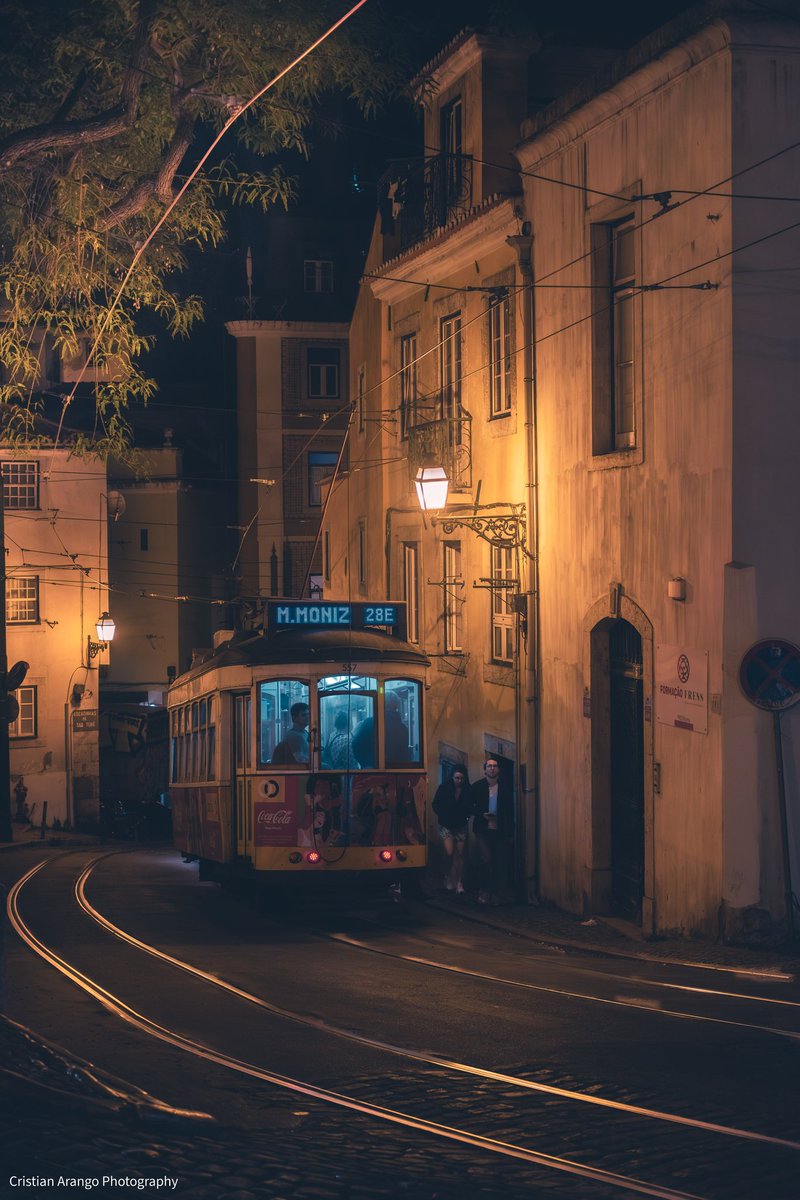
602,350
292,405
665,373
438,372
56,589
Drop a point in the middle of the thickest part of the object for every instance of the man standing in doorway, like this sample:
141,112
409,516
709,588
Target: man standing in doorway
492,806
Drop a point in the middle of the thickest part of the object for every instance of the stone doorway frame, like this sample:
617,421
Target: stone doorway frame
597,621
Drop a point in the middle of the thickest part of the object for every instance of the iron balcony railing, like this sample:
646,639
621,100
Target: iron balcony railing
439,429
416,198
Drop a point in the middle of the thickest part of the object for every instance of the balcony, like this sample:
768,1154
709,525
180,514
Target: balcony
440,429
416,198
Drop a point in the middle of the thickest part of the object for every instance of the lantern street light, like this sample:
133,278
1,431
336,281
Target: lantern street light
431,483
105,633
506,529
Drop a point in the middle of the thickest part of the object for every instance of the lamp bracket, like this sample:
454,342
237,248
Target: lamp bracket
504,529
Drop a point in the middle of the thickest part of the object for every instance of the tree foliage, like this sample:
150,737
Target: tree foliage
105,105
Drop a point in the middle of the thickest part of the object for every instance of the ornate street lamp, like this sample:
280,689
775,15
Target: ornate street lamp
105,633
431,483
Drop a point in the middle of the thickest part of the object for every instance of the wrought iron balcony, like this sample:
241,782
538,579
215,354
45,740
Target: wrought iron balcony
416,198
440,429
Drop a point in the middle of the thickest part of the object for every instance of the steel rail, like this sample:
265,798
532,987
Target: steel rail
143,1024
407,1052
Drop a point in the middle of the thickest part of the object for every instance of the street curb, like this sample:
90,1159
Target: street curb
609,951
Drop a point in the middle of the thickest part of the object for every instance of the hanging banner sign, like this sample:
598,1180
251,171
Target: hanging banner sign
682,688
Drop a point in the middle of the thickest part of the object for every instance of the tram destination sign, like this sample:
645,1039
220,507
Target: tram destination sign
319,614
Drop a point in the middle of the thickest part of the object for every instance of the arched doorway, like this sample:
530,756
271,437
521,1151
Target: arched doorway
618,769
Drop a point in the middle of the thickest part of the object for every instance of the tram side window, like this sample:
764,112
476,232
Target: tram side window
194,742
402,715
347,721
283,715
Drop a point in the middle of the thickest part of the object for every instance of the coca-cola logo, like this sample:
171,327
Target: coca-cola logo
276,816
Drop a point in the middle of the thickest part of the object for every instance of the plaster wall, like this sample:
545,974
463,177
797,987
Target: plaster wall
64,544
659,510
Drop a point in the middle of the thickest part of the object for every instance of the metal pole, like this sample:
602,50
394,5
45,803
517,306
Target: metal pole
6,834
787,865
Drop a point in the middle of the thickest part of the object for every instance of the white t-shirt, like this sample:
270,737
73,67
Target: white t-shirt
493,799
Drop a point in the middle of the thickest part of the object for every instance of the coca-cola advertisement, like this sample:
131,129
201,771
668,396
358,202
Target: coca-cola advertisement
275,813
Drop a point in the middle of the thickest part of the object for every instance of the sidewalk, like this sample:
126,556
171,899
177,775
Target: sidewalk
600,935
31,835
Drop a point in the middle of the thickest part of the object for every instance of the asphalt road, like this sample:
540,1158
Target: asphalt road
406,1008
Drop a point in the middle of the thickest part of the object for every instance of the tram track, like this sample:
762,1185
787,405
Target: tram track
478,1140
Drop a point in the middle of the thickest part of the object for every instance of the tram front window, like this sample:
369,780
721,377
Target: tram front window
283,716
402,723
347,722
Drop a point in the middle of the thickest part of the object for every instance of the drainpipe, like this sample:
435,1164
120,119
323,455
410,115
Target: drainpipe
528,702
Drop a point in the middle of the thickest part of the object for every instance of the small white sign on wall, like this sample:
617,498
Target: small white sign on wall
682,688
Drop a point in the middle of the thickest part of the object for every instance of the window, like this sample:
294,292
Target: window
408,381
323,374
326,556
502,612
450,368
22,599
402,721
21,484
347,735
362,554
144,539
318,275
26,723
451,142
320,466
411,589
499,321
614,292
283,717
360,398
451,586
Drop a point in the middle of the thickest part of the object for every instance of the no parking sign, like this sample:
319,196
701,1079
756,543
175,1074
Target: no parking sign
769,674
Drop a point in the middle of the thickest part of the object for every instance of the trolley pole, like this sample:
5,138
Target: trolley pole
6,833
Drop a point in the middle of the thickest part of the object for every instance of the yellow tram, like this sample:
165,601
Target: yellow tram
298,752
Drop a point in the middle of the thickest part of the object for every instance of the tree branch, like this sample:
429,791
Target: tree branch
154,187
57,135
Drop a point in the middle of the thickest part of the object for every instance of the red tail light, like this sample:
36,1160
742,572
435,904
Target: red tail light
385,856
313,856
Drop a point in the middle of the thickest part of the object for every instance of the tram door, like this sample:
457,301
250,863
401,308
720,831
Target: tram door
627,771
242,781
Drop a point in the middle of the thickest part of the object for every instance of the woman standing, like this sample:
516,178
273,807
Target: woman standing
452,806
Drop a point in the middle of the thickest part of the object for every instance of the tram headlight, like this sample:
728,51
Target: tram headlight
385,856
295,857
313,856
401,856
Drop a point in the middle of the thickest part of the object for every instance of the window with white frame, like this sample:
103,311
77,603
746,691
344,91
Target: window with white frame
323,373
22,600
450,367
411,589
503,582
21,484
321,464
408,381
613,335
318,275
499,322
451,588
26,722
